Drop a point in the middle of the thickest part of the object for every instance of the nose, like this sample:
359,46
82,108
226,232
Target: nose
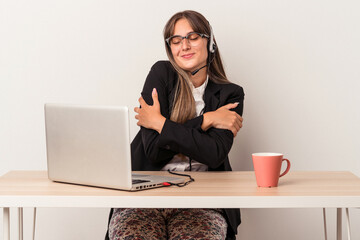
185,44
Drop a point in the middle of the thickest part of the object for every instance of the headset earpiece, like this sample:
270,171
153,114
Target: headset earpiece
212,45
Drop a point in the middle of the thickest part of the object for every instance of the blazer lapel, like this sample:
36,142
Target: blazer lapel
211,96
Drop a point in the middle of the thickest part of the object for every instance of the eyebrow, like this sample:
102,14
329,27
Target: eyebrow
184,35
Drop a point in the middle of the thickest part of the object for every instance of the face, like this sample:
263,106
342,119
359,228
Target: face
187,55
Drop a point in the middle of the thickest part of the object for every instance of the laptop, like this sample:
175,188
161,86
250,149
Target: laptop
90,145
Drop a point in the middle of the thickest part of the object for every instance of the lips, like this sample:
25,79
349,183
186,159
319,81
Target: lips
187,56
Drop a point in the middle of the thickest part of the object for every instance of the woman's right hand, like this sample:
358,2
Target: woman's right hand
223,118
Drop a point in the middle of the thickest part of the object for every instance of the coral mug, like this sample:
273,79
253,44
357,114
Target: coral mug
267,167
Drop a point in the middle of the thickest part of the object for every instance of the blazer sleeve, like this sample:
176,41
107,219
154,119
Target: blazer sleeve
210,147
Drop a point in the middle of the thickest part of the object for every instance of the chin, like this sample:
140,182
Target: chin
189,66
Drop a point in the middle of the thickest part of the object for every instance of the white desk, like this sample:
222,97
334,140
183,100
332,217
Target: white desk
210,190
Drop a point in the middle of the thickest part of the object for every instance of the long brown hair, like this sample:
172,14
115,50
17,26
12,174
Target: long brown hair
184,104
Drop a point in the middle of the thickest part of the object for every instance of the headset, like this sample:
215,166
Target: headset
212,48
212,45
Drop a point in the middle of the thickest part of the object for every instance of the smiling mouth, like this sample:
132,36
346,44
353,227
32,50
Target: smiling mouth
187,56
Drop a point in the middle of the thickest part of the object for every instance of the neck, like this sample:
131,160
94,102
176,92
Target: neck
199,78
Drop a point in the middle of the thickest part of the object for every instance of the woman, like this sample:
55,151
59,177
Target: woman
189,115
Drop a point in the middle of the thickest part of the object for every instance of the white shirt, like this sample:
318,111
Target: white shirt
198,94
181,162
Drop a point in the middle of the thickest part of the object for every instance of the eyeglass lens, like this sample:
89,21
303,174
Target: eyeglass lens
192,38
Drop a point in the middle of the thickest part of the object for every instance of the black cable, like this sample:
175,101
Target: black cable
180,184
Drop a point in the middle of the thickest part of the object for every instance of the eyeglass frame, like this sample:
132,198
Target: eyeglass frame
202,35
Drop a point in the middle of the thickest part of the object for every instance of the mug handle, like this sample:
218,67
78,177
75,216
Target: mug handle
287,168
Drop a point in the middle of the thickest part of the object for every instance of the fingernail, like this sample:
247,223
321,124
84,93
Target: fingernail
154,91
236,102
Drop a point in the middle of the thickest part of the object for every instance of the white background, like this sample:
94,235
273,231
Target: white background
297,60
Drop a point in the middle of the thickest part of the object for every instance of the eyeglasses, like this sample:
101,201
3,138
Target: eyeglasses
193,39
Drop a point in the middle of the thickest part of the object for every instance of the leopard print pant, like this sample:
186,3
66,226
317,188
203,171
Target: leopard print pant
167,223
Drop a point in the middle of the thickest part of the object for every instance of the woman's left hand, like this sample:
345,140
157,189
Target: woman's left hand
150,116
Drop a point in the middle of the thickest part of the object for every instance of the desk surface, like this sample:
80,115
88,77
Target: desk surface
210,190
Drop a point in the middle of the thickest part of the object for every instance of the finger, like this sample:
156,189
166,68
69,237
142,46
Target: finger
231,125
238,126
239,121
239,117
236,116
241,125
234,125
137,117
234,132
142,102
228,106
155,97
136,109
231,105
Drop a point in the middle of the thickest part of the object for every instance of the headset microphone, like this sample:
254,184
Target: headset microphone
212,49
197,70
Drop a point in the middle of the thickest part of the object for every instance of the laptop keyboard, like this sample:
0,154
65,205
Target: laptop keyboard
136,181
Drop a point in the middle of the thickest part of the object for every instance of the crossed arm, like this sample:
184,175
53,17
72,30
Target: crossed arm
207,138
149,116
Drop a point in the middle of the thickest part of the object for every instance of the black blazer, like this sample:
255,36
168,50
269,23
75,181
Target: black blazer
151,151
